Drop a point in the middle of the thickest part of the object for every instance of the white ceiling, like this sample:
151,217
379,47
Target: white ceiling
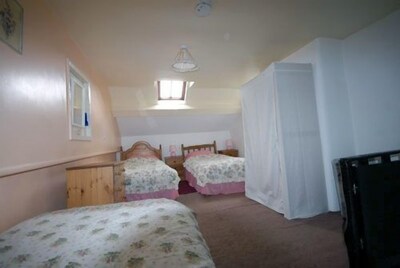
132,43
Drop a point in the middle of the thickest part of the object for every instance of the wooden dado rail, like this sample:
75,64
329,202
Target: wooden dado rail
14,170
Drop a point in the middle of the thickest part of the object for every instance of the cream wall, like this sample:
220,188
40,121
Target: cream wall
371,60
128,101
186,139
357,92
236,131
182,129
208,114
26,195
332,104
33,116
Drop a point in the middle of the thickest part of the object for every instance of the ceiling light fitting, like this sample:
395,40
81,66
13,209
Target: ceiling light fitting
203,8
184,61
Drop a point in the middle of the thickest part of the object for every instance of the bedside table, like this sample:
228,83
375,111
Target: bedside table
229,152
176,162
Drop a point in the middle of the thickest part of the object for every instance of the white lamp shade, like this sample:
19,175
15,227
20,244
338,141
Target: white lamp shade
184,61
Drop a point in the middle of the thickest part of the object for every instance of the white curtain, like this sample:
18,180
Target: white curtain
261,145
284,168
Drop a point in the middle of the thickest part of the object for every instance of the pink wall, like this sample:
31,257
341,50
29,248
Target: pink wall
34,120
28,194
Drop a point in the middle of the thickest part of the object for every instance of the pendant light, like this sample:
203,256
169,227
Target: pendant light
184,61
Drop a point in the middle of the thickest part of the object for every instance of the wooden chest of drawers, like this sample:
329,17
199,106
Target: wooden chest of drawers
176,162
229,152
95,184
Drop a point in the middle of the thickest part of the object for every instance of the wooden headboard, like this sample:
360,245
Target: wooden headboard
212,147
141,149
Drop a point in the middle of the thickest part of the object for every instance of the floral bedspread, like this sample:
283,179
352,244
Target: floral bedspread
147,175
215,168
147,233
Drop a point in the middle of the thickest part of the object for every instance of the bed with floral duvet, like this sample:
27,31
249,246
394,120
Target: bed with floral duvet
146,233
146,176
149,178
210,173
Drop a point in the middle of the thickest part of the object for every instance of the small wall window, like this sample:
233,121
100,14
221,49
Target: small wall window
78,104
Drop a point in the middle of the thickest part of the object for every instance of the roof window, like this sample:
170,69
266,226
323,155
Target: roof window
172,90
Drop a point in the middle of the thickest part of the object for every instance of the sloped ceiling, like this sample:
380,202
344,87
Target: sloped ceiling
158,125
132,43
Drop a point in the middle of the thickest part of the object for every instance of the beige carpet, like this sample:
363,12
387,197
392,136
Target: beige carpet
243,233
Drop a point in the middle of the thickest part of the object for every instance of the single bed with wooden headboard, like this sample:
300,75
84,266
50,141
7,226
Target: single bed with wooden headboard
211,173
212,147
146,175
142,149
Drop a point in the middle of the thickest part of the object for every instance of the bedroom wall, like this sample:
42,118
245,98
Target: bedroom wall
236,131
187,129
33,116
356,82
28,194
332,105
207,111
372,68
129,101
177,139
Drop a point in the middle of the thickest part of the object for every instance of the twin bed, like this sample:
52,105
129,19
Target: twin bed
143,233
211,173
147,176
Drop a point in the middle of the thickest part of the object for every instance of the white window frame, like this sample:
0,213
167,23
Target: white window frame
80,129
182,96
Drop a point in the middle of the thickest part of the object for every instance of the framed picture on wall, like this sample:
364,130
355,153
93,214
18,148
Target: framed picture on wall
11,24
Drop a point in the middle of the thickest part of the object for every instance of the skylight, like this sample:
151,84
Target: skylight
171,90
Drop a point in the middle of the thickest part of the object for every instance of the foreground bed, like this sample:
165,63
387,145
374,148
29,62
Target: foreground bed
146,176
147,233
211,173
